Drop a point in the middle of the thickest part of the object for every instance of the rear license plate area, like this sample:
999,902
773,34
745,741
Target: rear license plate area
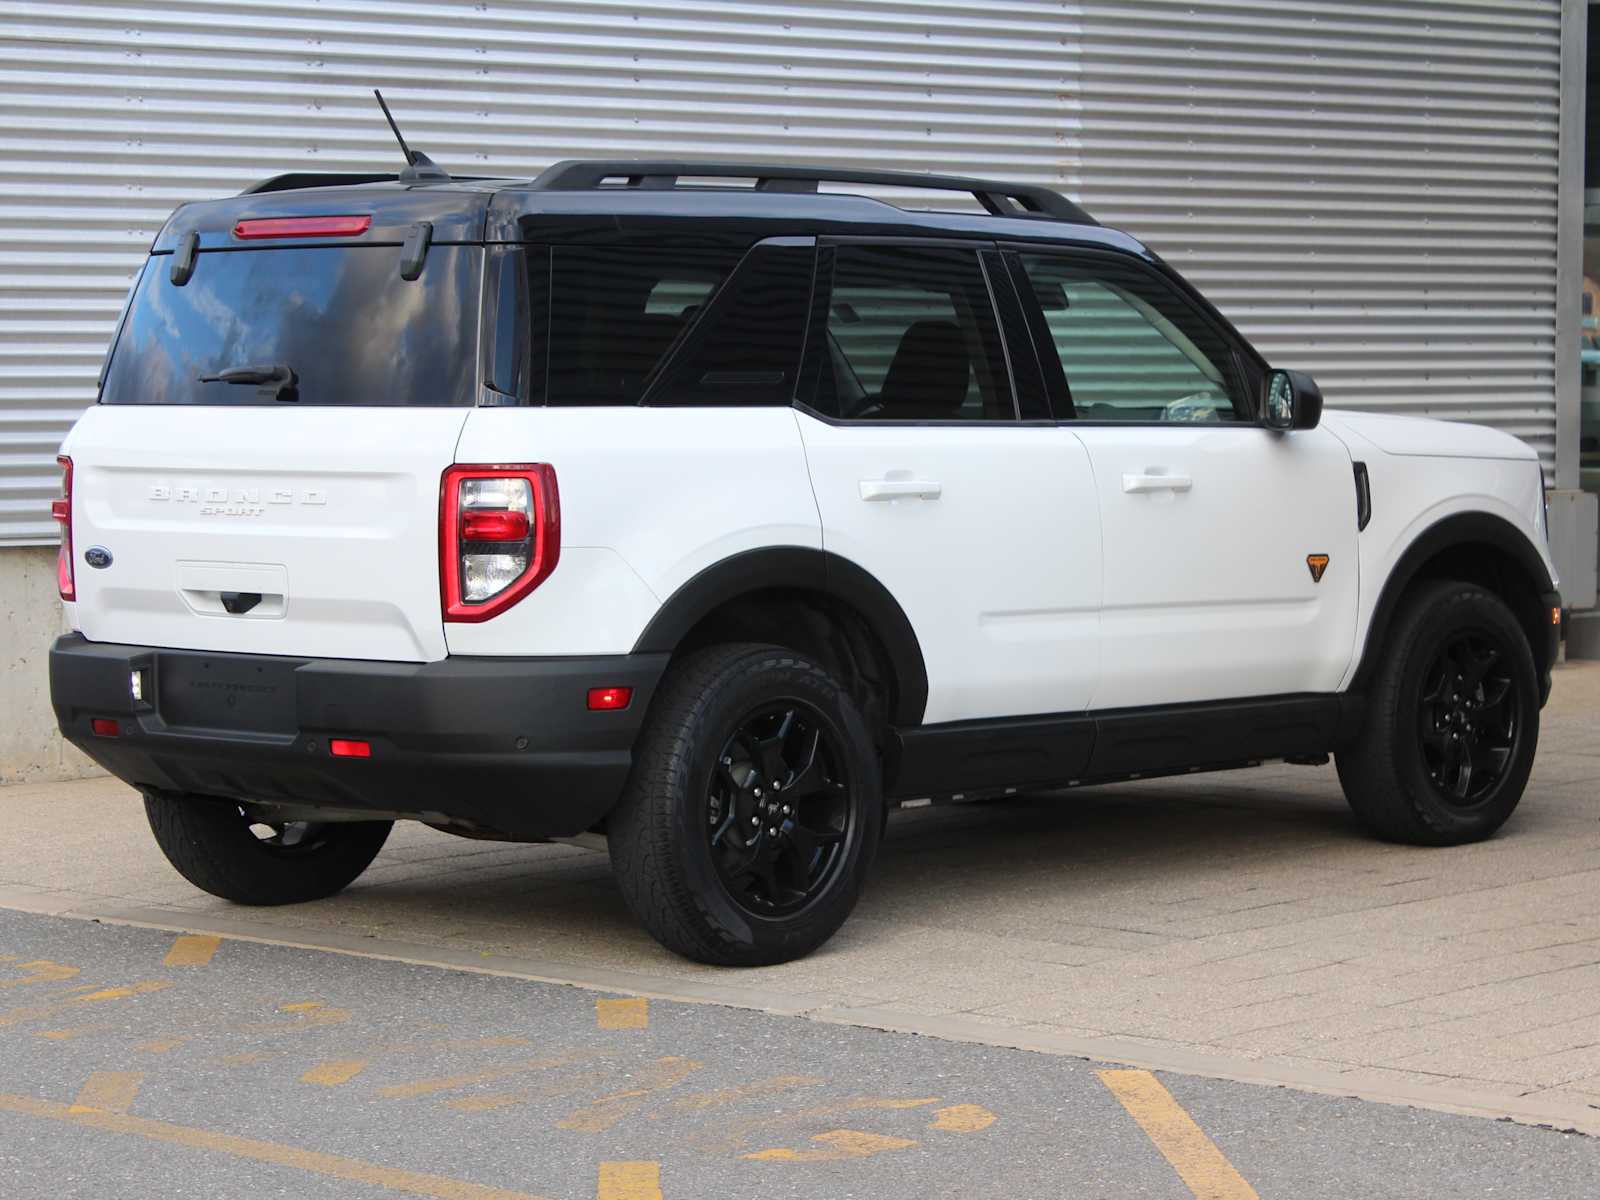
202,692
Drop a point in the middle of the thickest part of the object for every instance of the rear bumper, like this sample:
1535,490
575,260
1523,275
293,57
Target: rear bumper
496,745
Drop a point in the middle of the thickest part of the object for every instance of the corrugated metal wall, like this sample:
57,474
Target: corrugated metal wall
1368,188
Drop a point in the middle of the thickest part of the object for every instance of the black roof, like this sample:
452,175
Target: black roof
605,200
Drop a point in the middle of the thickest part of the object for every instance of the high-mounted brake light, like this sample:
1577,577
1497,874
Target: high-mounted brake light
61,510
499,536
298,227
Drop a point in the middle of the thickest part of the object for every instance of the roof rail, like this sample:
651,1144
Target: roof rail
1001,199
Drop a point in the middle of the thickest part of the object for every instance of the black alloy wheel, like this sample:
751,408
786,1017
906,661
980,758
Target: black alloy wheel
1470,717
779,809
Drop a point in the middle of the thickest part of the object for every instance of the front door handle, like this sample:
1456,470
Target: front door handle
1156,483
900,489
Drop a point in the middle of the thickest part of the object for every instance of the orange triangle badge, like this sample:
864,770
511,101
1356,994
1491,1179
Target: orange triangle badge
1318,563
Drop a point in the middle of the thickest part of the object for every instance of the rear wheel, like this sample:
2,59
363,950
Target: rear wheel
753,811
1452,724
250,857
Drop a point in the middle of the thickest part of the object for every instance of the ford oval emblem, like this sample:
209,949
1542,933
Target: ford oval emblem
97,556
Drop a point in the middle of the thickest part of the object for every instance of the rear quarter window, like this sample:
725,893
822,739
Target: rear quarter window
340,317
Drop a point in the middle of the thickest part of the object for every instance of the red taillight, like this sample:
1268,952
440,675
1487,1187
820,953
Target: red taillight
105,727
499,536
349,748
494,526
298,227
609,699
61,510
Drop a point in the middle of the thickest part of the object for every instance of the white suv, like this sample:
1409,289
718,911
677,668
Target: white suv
716,518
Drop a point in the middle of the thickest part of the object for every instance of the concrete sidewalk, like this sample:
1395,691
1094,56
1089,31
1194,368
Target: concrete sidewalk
1235,925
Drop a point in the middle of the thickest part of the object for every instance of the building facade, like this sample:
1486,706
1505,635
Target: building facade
1387,194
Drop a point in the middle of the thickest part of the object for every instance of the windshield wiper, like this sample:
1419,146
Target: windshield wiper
272,381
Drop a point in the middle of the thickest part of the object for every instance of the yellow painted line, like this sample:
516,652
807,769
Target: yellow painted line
123,993
836,1145
733,1095
330,1166
107,1091
1203,1168
162,1045
632,1013
962,1118
41,970
335,1071
629,1181
445,1083
192,950
605,1112
300,1006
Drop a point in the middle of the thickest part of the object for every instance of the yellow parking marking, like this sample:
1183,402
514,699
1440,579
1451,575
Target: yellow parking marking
632,1013
55,1008
629,1181
192,950
107,1091
62,1035
835,1146
331,1166
335,1071
728,1136
962,1118
445,1083
123,993
477,1104
162,1045
1202,1167
733,1095
605,1112
300,1006
41,970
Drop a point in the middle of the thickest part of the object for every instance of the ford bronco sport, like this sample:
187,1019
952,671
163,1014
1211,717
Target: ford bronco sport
696,507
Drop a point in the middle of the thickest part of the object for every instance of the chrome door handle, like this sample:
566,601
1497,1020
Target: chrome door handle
1156,483
900,489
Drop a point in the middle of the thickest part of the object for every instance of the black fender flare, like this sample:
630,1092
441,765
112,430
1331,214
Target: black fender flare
1460,529
805,569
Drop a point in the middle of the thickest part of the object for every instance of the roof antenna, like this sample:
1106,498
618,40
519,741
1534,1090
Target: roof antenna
419,167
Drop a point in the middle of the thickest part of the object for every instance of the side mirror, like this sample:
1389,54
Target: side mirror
1294,401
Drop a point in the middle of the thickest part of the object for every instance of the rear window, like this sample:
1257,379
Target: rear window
339,318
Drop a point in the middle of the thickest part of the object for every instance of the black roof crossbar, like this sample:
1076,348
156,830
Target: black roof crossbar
1001,199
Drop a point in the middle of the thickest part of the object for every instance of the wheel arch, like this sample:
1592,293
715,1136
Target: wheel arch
1479,548
772,586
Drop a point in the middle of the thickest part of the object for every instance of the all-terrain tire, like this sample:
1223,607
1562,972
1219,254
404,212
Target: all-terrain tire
213,845
659,834
1398,775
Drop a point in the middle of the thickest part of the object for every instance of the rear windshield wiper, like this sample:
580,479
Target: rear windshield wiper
272,381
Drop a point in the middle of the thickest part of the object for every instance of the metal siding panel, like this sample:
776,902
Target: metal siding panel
1368,190
112,113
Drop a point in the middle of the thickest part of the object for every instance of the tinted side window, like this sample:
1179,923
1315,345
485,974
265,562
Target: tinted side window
1131,349
616,313
911,335
746,349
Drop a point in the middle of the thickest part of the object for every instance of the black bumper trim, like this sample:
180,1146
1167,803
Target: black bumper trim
503,746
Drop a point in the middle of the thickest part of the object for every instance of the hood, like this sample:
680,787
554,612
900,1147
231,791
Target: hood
1425,438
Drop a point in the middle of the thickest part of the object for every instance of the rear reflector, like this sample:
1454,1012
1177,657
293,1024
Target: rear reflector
346,748
494,526
105,727
609,699
299,227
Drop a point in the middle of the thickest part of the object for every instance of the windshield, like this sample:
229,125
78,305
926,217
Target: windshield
339,319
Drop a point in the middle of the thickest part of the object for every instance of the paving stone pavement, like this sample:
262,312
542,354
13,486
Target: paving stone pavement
1236,924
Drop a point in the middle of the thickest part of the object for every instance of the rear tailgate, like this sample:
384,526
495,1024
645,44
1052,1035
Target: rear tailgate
263,530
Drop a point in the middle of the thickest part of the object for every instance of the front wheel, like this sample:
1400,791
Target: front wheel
251,857
753,810
1452,722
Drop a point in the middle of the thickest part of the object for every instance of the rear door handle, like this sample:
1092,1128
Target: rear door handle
900,489
1156,483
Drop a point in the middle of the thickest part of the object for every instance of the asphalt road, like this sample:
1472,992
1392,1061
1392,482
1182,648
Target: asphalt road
138,1063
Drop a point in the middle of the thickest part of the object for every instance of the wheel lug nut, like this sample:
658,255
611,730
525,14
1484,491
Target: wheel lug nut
776,785
758,791
773,832
755,820
785,810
